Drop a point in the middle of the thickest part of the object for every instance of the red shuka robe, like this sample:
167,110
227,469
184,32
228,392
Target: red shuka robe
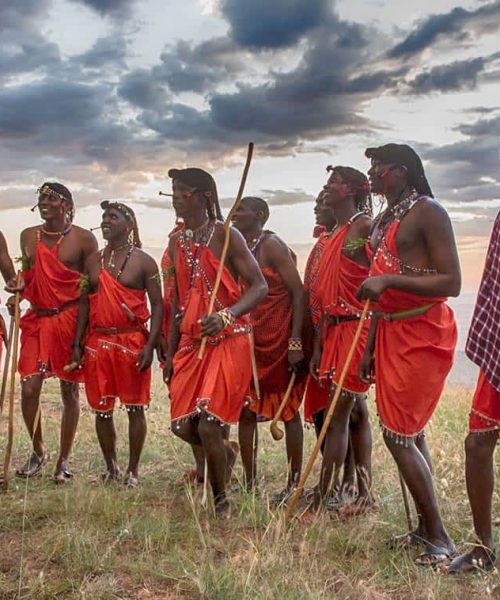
272,327
219,383
46,340
414,355
338,282
485,413
110,367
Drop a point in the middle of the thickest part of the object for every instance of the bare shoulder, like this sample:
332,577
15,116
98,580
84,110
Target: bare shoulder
273,243
428,209
29,232
147,262
93,259
362,226
83,234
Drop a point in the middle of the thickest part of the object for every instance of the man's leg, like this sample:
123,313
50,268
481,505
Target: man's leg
30,403
212,438
106,434
137,429
294,436
479,474
417,475
248,438
336,442
361,436
69,423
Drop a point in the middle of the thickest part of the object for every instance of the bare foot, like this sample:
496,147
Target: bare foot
63,473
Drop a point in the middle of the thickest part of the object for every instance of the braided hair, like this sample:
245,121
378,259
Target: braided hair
64,194
129,214
358,184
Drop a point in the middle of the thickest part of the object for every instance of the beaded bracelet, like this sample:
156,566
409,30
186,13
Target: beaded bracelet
227,316
294,343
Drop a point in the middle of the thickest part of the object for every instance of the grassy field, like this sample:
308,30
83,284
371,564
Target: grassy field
85,540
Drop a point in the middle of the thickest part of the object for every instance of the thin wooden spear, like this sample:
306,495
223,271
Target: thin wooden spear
227,235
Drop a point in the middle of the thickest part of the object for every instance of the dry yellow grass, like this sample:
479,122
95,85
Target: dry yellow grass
85,540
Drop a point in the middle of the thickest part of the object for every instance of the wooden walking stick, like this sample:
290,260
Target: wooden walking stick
255,372
12,390
6,365
406,503
227,234
328,417
276,432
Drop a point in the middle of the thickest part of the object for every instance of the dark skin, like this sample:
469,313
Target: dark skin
425,240
339,198
74,249
140,273
273,253
191,205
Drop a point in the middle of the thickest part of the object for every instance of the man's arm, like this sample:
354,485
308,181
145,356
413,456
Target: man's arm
88,244
83,313
174,333
153,290
279,257
247,268
6,265
435,228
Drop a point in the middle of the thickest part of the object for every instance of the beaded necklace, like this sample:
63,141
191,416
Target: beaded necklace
62,233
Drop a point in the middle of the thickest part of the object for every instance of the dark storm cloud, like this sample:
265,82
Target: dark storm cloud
113,8
273,23
107,51
447,78
468,170
459,24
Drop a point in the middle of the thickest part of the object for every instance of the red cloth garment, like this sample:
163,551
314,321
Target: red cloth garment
485,412
413,355
483,342
272,327
316,396
168,275
338,282
46,339
110,366
219,383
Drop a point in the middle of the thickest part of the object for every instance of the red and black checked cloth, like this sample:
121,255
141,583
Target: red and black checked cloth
483,342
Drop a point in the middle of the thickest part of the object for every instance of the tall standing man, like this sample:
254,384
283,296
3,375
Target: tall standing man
483,348
412,341
277,324
53,255
118,349
207,395
343,267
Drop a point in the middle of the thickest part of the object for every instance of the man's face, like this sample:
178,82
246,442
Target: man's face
50,205
323,213
186,200
114,225
383,176
334,191
245,218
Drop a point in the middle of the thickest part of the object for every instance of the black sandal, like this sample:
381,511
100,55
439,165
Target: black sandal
436,556
32,467
467,563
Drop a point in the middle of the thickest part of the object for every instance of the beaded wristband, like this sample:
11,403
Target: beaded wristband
227,316
294,344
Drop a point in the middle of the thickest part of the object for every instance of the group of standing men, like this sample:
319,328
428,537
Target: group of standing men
87,323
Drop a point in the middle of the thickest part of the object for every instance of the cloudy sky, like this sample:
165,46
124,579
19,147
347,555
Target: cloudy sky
107,95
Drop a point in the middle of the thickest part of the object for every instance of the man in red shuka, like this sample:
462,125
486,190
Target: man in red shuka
277,324
483,348
53,256
412,338
207,395
118,349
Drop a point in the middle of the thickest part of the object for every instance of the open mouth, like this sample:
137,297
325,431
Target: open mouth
105,229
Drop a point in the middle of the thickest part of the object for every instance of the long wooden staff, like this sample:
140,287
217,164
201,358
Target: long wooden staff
6,365
328,417
406,503
227,234
12,390
276,432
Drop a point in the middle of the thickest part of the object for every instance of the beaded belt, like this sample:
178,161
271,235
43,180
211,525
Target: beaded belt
50,312
117,330
337,320
406,314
